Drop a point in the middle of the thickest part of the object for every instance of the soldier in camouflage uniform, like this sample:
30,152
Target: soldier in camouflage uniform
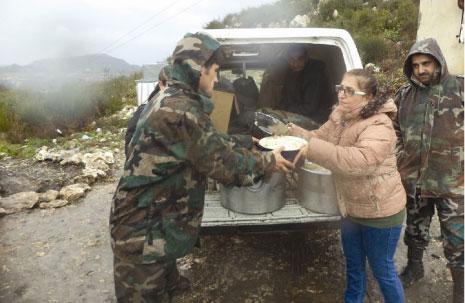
430,159
158,205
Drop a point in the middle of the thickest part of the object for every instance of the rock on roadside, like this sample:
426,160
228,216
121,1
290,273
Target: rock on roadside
19,201
74,191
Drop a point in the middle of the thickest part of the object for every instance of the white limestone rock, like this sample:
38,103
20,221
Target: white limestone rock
19,201
48,196
75,159
73,192
300,21
54,204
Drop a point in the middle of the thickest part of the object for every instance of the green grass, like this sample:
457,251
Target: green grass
23,151
71,108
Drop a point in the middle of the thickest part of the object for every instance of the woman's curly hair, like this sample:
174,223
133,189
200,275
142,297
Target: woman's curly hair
369,85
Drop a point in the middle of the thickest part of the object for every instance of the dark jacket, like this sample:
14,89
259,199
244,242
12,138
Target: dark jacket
307,92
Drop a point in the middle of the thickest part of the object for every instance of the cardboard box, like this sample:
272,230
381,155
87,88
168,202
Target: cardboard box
222,112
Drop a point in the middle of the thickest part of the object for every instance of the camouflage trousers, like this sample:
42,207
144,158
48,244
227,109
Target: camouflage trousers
450,212
144,283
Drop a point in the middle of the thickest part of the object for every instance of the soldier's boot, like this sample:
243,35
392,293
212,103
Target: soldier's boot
177,282
180,292
183,284
457,278
181,298
414,270
165,298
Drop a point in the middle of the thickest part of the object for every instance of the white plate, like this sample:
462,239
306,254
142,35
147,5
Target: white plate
289,143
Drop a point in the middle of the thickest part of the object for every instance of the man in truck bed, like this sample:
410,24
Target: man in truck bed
298,86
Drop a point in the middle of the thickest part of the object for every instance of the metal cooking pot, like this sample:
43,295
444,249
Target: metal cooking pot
316,191
262,197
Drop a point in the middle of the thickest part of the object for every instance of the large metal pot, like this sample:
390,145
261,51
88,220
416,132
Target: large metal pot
262,197
316,190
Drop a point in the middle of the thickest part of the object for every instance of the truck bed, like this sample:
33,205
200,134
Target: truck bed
215,215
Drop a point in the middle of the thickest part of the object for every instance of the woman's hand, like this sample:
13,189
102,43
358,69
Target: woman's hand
282,164
301,156
294,130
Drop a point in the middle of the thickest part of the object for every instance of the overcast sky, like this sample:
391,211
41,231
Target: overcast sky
38,29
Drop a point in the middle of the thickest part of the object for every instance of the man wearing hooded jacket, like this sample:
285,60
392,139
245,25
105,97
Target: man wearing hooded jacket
430,158
158,204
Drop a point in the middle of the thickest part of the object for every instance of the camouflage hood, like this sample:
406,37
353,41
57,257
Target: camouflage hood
427,47
190,54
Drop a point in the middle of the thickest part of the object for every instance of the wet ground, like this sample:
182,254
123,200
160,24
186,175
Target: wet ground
28,175
64,255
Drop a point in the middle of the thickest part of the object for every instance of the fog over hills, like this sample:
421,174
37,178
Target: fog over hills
53,72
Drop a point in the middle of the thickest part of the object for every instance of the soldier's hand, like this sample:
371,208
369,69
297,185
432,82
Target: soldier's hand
282,165
255,143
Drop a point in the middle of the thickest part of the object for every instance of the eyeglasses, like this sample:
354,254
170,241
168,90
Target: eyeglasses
348,91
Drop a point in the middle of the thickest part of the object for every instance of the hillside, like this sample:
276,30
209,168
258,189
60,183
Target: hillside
49,73
382,29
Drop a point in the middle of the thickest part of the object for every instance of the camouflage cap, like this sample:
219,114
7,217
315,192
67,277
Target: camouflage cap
195,49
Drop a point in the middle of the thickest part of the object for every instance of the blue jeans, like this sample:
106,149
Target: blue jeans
378,245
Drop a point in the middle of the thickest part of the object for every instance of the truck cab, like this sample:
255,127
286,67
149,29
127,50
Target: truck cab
251,54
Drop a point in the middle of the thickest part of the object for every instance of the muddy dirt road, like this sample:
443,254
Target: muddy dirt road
63,255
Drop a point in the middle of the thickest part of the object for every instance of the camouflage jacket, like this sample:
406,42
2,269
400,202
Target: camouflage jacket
158,204
430,130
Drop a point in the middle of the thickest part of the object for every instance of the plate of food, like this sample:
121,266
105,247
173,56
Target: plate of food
291,145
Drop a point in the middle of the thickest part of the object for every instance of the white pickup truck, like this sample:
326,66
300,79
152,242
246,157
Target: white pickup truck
253,51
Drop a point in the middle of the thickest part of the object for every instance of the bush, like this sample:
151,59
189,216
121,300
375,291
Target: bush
280,11
372,49
376,25
26,150
10,121
215,24
5,113
26,114
389,83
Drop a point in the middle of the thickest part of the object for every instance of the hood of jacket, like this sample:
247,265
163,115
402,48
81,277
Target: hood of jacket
389,108
426,47
190,54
